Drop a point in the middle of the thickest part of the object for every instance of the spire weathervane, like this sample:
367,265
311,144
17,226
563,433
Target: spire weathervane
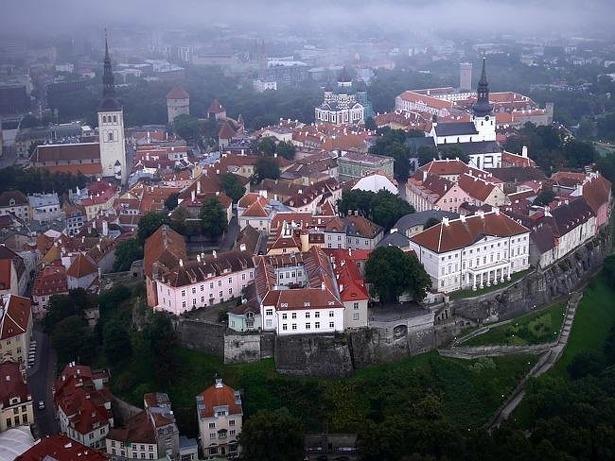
108,83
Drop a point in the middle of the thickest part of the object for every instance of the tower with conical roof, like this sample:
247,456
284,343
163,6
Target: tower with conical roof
482,115
111,127
178,103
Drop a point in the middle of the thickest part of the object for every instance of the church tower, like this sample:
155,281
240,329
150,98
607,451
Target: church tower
482,116
111,127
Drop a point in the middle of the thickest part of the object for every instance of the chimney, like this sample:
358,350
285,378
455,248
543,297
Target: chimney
322,286
198,186
193,196
524,151
462,218
198,258
445,221
214,253
181,262
242,247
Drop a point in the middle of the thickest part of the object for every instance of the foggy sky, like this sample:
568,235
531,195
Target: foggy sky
395,15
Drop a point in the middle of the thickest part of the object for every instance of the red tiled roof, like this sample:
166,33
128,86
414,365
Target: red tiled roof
136,430
81,267
16,316
476,187
87,169
18,196
215,107
218,395
13,384
460,233
67,152
51,280
61,448
177,92
164,246
597,191
5,274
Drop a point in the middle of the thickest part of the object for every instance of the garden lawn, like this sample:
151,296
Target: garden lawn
533,328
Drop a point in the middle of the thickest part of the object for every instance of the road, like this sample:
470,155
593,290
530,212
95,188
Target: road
40,380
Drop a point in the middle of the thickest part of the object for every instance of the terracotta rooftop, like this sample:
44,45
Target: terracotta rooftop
216,396
164,246
16,315
81,266
177,92
13,384
61,448
459,233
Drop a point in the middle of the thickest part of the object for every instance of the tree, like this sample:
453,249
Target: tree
116,342
579,153
187,127
430,223
265,167
171,201
213,218
393,272
232,187
427,154
266,146
272,436
73,340
370,124
161,339
387,208
545,197
150,224
126,253
286,150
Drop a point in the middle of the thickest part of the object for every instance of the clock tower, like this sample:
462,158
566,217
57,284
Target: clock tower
111,127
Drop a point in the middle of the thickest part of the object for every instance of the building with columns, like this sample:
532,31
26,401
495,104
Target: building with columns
111,127
473,251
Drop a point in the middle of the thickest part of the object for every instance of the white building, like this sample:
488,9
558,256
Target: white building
45,207
210,279
473,251
111,128
220,416
178,103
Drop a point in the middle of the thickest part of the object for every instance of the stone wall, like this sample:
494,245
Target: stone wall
202,336
242,348
538,287
123,411
322,355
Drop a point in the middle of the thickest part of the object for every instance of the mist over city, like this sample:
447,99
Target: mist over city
272,230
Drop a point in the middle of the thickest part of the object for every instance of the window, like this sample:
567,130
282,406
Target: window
230,291
294,326
91,435
231,422
284,327
331,314
183,303
212,436
110,137
211,285
183,292
284,316
230,280
193,290
202,287
115,119
219,283
355,316
212,425
269,312
220,294
331,325
293,315
307,315
231,432
317,325
307,326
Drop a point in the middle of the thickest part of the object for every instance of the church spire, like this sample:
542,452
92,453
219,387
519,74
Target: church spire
108,84
482,106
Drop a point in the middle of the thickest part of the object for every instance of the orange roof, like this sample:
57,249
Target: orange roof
67,152
219,395
51,280
164,246
81,267
16,315
463,232
5,274
597,191
215,107
257,209
87,169
177,92
476,187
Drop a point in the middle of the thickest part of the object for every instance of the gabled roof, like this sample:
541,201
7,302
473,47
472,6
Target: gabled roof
420,218
50,280
455,129
597,191
166,247
60,448
16,315
451,167
568,216
476,187
81,266
215,107
226,131
358,226
13,384
136,430
68,152
463,232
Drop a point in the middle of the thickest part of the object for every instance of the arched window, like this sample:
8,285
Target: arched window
115,119
104,118
110,137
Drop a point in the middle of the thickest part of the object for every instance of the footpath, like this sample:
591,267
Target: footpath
551,352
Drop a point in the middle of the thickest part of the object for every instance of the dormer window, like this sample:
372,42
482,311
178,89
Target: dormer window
12,202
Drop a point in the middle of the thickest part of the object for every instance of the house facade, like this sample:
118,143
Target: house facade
220,416
211,279
15,397
15,203
472,252
15,327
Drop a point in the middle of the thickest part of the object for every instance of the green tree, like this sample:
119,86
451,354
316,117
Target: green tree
272,436
266,146
126,253
286,150
73,340
188,128
394,272
232,187
579,153
265,167
370,124
149,224
160,338
171,201
545,197
213,218
355,200
63,306
427,154
387,208
116,342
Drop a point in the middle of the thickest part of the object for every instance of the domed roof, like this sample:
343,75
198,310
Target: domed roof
344,75
109,104
361,86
